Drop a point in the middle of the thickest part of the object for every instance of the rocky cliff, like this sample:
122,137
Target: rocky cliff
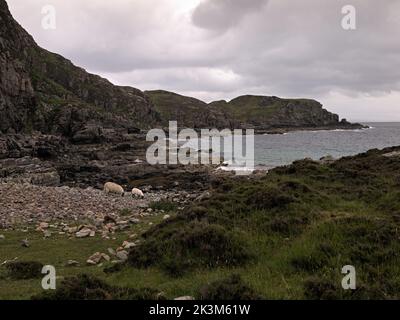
265,113
188,112
262,113
18,102
43,91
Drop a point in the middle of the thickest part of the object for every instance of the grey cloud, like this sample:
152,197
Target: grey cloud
223,14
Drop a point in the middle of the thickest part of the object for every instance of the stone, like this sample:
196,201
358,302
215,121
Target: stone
105,257
123,227
72,230
185,298
166,217
91,262
47,234
2,237
72,263
109,220
25,243
85,232
90,134
43,225
392,154
128,245
97,257
134,220
94,258
122,255
111,251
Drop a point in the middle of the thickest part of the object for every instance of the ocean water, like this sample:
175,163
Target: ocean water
277,150
273,150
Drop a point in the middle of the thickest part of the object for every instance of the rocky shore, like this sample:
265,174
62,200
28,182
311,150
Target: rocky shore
27,204
48,179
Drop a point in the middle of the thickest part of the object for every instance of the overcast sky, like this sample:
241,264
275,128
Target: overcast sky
219,49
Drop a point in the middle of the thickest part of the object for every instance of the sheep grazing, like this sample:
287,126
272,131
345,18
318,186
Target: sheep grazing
111,187
137,193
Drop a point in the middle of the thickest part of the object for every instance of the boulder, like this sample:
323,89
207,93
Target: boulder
122,255
88,135
83,233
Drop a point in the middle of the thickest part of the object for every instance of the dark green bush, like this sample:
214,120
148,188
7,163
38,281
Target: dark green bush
167,206
231,288
85,287
24,269
178,247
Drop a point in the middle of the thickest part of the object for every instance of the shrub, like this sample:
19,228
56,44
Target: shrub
231,288
267,198
178,247
320,289
24,269
167,206
85,287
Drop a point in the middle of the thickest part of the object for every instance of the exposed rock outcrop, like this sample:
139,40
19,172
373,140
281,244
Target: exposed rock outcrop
40,90
265,113
189,112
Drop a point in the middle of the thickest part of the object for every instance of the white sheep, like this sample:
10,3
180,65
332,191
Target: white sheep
111,187
137,193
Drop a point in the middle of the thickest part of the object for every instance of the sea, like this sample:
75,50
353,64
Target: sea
277,150
274,150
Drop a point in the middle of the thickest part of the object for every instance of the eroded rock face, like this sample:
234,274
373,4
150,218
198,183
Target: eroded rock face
17,98
265,113
40,90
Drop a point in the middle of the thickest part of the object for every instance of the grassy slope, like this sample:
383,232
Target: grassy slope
298,226
170,104
259,108
248,108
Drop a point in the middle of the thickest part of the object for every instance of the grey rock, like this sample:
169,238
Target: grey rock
122,255
25,243
185,298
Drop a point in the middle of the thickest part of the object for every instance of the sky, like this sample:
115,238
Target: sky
220,49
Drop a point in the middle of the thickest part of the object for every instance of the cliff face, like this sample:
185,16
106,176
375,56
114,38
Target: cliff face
43,91
263,113
188,112
17,97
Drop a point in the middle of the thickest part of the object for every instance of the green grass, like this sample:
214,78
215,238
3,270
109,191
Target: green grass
287,235
165,205
56,251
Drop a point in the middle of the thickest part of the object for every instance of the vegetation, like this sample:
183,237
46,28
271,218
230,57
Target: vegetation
193,244
231,288
167,206
85,287
24,270
309,219
284,235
